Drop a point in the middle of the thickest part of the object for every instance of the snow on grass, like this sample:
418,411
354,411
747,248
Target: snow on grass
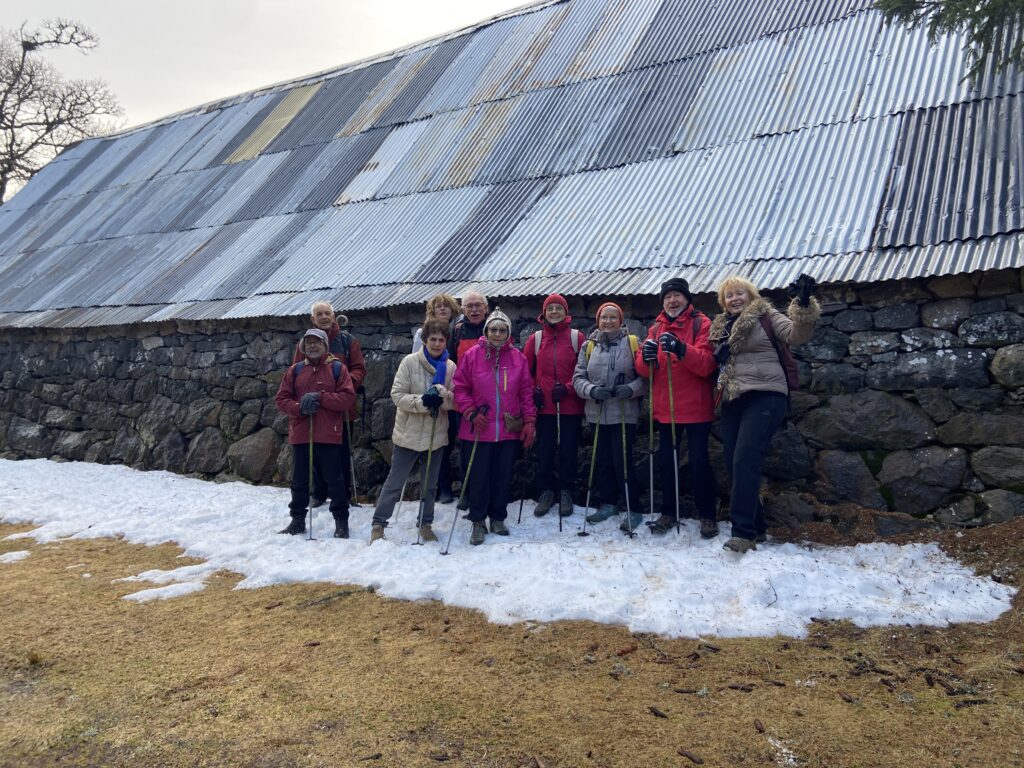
13,557
675,585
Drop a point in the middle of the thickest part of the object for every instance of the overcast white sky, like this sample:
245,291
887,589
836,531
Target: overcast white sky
160,57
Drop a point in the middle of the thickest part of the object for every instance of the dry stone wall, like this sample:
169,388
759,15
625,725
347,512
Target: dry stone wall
912,399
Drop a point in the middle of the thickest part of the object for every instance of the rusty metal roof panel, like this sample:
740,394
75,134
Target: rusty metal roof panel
958,174
386,92
389,156
328,111
228,130
433,69
576,23
611,43
287,173
425,164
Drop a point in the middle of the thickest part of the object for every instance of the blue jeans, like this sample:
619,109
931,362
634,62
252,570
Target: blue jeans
748,424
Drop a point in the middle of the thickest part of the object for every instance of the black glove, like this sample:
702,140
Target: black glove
600,394
309,404
802,289
623,392
432,400
538,397
722,353
558,392
672,345
649,351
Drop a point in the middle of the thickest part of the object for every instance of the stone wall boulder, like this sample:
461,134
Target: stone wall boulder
788,510
255,457
1008,366
169,452
938,368
207,453
198,415
867,420
73,445
828,345
844,476
983,429
995,330
837,379
157,421
999,506
897,317
1000,467
873,342
921,480
29,438
946,314
128,447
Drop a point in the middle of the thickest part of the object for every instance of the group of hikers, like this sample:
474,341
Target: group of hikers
466,380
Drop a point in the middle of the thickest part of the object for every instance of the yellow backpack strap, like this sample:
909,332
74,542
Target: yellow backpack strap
634,345
590,348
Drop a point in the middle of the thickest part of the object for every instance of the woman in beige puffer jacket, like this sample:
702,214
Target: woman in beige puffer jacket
422,393
754,389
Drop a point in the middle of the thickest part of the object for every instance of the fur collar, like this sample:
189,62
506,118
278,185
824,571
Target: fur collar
746,322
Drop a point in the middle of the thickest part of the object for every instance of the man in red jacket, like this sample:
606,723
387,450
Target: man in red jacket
679,338
315,393
345,347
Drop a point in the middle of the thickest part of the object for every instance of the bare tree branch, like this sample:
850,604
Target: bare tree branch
41,113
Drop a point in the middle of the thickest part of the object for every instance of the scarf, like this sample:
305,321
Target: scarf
440,366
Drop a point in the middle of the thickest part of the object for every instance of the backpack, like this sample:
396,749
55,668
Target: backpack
343,341
634,345
575,339
786,359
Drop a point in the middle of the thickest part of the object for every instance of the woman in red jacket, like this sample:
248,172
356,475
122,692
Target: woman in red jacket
679,338
551,353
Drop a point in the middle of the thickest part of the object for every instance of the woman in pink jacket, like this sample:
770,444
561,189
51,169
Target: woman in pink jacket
494,392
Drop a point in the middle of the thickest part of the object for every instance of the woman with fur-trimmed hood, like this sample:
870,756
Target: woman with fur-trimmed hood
754,388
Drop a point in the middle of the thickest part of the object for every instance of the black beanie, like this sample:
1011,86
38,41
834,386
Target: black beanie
676,284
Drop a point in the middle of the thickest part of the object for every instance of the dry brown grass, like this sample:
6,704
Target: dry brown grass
317,675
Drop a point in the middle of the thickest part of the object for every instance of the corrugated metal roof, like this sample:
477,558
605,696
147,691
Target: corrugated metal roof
600,142
957,175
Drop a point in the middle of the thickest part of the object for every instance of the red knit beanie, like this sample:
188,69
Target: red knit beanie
613,305
555,298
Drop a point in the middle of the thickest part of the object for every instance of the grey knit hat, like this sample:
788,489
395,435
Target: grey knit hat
497,316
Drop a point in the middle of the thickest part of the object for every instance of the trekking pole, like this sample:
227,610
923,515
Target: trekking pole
522,496
625,467
311,538
675,445
590,479
426,479
650,439
465,482
352,463
558,450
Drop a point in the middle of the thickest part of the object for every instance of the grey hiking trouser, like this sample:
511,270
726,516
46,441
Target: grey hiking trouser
402,462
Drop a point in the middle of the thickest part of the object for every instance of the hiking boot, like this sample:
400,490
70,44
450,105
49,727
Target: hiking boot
565,505
376,532
632,521
544,503
445,497
708,528
427,533
296,526
316,501
499,527
742,546
602,514
761,538
663,524
478,535
341,529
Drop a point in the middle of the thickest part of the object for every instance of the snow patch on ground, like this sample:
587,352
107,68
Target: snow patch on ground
13,557
675,585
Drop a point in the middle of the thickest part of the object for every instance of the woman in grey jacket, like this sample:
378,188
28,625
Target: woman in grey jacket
750,340
607,380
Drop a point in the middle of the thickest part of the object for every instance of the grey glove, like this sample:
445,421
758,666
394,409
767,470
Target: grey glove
309,404
600,394
623,392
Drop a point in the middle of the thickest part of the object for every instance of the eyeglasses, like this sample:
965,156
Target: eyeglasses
499,330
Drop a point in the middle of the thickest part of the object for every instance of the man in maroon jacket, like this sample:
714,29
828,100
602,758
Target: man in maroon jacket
344,346
315,393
